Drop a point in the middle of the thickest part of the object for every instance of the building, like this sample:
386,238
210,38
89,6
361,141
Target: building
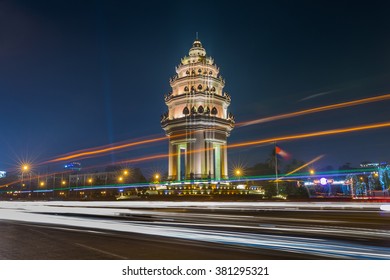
197,122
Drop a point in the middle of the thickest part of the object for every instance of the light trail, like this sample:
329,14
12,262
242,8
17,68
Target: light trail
323,239
301,167
99,151
316,110
311,134
256,142
306,164
269,140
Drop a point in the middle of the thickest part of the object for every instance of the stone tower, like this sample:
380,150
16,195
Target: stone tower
197,121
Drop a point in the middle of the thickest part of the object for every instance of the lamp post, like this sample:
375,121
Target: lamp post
156,178
125,175
238,173
24,168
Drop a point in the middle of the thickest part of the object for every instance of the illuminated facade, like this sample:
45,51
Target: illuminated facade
197,122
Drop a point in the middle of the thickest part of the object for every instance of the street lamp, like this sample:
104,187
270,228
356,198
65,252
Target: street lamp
25,168
156,177
238,172
42,184
312,171
120,179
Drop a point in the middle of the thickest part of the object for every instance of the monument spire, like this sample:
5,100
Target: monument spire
197,122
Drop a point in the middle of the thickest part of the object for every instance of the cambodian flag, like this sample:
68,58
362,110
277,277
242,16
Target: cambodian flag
281,153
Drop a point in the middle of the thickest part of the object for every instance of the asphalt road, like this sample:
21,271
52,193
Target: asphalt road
193,231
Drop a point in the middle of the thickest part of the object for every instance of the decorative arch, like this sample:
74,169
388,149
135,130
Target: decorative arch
186,111
193,110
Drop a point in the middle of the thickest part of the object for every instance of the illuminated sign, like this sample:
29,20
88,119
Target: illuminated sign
322,181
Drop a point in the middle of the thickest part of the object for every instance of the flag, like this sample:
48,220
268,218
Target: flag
281,153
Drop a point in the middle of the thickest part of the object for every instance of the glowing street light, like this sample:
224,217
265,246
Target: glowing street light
238,172
42,184
125,172
120,179
312,171
24,168
63,182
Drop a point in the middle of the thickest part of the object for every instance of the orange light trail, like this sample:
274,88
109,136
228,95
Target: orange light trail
306,164
301,167
98,151
106,150
257,142
312,134
87,153
269,140
316,110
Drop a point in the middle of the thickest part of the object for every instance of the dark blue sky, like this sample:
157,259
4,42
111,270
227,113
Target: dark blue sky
79,74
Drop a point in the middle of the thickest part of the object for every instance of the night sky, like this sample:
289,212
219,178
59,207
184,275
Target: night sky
81,74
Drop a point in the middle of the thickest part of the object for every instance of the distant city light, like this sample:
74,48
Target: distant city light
73,166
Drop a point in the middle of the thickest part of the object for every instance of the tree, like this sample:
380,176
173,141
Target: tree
295,164
346,166
260,169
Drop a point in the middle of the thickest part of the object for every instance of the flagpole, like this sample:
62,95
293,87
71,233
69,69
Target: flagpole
276,170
